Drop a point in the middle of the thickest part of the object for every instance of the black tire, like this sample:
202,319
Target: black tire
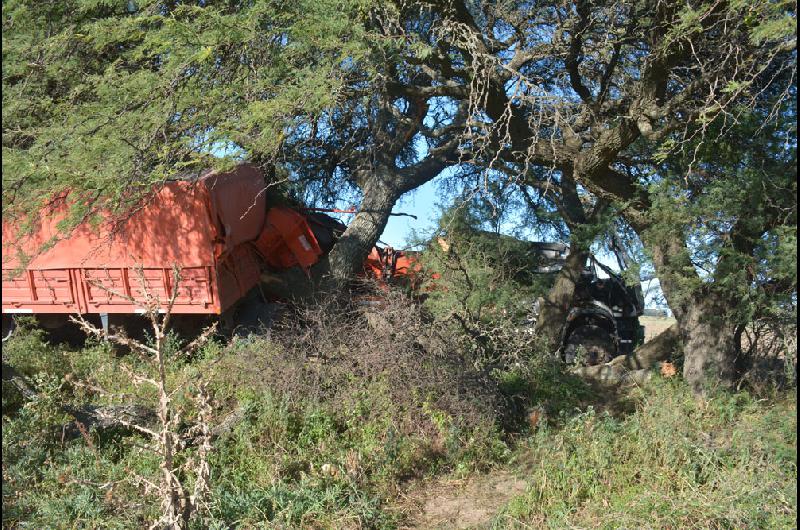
596,342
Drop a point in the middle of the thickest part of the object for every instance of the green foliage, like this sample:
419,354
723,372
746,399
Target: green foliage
99,479
294,463
335,451
735,198
48,480
540,383
106,99
297,457
30,352
729,462
484,276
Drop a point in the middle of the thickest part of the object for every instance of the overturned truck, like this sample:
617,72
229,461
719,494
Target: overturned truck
215,229
218,232
603,317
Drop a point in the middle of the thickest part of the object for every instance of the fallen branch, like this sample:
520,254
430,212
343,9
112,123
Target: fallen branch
614,375
108,417
19,381
228,423
658,349
635,368
98,417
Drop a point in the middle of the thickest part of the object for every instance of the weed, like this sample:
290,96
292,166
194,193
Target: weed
337,411
728,462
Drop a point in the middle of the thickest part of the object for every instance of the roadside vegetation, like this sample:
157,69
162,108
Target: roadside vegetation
658,133
729,461
338,413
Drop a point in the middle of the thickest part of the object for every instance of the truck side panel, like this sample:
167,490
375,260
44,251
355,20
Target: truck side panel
239,272
108,290
201,226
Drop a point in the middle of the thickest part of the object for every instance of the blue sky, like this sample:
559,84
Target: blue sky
420,203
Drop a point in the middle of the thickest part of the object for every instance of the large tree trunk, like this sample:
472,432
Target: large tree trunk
555,306
710,349
706,330
346,259
381,187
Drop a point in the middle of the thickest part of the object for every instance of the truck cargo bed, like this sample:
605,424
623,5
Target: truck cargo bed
203,228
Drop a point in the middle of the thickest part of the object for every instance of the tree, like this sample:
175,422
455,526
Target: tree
737,204
552,207
597,91
481,275
107,100
381,97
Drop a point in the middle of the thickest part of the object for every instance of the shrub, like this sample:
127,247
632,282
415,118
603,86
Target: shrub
729,462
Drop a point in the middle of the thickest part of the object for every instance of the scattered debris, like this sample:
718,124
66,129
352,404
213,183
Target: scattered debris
668,369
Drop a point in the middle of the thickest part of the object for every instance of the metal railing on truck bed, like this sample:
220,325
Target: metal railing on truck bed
203,228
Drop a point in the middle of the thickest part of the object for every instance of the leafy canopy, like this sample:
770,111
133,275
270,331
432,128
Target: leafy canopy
107,98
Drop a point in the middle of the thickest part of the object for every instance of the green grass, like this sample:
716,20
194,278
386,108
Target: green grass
295,460
675,462
653,457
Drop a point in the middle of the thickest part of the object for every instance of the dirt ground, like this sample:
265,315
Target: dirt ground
655,325
461,504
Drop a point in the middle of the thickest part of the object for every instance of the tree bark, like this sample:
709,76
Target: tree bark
555,306
658,349
705,329
381,186
380,193
710,349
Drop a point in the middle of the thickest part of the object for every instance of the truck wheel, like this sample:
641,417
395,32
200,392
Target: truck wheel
589,345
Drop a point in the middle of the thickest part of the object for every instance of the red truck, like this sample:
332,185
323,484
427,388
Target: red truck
215,229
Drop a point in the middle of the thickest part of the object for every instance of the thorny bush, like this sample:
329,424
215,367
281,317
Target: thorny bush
331,350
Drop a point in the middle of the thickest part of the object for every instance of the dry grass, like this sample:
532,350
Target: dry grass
655,325
333,351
